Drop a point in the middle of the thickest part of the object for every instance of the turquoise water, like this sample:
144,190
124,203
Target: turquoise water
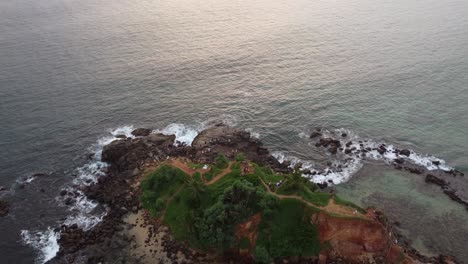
393,71
430,220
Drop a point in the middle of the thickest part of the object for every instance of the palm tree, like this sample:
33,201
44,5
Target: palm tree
196,190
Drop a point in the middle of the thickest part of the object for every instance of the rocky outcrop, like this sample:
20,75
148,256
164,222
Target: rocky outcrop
128,154
230,142
141,132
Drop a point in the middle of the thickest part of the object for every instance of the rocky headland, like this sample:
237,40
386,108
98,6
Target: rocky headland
130,234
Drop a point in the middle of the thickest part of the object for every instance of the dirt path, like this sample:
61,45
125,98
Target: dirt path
331,207
222,174
163,213
183,165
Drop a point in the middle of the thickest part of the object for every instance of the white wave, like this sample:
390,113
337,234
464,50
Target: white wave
253,133
282,157
83,211
187,133
345,166
184,134
45,242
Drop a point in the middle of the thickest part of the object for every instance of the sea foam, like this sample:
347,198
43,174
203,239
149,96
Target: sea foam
45,241
343,167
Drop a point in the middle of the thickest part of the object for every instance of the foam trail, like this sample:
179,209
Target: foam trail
45,242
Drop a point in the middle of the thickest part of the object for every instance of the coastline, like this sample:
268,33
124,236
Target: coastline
130,158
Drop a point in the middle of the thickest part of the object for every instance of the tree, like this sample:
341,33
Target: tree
196,190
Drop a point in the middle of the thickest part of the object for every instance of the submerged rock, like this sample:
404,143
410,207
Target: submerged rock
315,134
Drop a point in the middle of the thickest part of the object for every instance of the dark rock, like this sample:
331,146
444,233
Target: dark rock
325,142
399,160
315,134
405,152
121,136
436,162
433,179
2,189
322,185
349,144
141,132
69,201
333,149
382,150
347,151
40,174
4,208
344,135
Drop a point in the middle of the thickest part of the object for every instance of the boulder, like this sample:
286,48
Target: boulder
315,134
405,152
322,185
141,132
399,160
433,179
4,208
161,139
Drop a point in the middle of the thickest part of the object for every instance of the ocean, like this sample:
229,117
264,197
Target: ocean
73,73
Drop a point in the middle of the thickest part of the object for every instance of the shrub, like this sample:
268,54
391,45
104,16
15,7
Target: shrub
221,162
261,255
240,157
244,243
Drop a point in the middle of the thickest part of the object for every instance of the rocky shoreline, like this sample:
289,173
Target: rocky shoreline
448,180
113,240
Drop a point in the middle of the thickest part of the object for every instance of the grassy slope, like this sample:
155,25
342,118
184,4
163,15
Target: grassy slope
285,231
159,186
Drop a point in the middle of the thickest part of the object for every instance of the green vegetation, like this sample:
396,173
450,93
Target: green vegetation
261,255
341,201
205,216
298,185
267,175
244,243
240,157
287,231
159,186
221,162
195,166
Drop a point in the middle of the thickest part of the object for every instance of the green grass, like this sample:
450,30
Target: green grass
209,175
159,185
177,215
267,175
288,232
316,198
195,165
341,201
199,217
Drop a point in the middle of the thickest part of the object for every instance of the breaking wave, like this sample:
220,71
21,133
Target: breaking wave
46,242
342,167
